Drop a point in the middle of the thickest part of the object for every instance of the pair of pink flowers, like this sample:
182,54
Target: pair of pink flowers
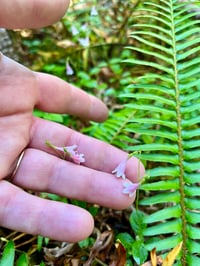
78,158
129,187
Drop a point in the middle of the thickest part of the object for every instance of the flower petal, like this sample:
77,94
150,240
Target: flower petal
119,171
130,188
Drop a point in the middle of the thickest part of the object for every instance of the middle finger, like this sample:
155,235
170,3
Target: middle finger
43,172
99,155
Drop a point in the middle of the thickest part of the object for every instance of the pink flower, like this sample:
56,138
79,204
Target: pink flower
74,30
84,27
69,70
78,158
84,41
130,188
70,151
119,171
93,11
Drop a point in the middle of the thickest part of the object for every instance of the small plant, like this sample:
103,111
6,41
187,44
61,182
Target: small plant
135,247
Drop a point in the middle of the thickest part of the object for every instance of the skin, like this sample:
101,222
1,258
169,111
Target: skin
40,169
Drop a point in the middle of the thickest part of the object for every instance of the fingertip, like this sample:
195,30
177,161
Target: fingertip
98,110
126,202
85,227
45,13
141,171
135,170
73,224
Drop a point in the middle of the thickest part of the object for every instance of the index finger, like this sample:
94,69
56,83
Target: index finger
58,96
32,14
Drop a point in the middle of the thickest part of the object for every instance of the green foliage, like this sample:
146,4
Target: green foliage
86,243
41,242
8,255
135,248
22,260
164,109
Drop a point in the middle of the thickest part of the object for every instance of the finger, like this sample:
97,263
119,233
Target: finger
27,213
31,14
40,171
99,155
56,95
46,92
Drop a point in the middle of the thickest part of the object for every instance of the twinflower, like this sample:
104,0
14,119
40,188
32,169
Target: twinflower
119,171
69,70
70,151
129,188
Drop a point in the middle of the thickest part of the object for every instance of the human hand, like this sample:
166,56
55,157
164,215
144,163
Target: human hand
40,169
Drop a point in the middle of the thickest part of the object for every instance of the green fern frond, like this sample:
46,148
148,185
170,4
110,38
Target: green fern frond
114,129
161,118
174,109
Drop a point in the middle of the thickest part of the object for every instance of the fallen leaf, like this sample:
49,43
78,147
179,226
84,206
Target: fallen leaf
120,256
169,260
101,246
153,257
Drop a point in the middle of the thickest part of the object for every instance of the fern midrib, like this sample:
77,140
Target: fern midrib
180,139
122,127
